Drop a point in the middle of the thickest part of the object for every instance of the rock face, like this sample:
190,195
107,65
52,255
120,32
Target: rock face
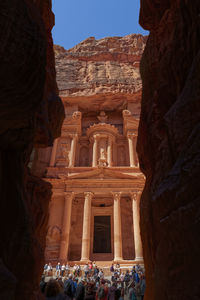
105,69
169,148
29,102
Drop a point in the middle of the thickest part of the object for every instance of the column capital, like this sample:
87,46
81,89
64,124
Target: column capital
69,195
116,195
131,135
88,195
135,195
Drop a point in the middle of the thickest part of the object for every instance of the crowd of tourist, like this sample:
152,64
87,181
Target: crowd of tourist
90,283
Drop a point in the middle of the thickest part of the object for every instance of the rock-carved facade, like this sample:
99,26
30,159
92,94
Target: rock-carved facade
94,212
93,166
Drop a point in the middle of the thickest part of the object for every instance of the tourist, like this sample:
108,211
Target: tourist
122,294
90,266
127,280
96,272
63,270
90,291
86,270
112,291
132,291
117,267
67,269
49,270
61,284
142,286
94,264
101,274
138,268
42,284
74,270
53,291
69,287
122,279
58,269
78,270
102,291
135,277
80,291
112,270
46,269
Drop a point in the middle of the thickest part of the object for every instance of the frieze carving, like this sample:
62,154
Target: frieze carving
102,128
102,117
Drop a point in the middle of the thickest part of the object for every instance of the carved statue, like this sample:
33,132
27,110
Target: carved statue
54,233
76,115
65,154
103,158
102,117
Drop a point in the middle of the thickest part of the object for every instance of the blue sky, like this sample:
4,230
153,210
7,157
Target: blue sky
77,20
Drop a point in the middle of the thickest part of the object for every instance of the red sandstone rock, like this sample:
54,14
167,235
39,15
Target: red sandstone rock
102,69
25,57
169,149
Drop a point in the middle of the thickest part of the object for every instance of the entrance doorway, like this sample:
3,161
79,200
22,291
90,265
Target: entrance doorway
102,234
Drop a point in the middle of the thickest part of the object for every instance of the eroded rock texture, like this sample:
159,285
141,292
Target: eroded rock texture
106,69
169,148
28,103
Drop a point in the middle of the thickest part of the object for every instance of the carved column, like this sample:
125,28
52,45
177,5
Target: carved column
95,149
53,153
109,151
135,159
73,150
85,251
132,149
117,227
64,246
135,196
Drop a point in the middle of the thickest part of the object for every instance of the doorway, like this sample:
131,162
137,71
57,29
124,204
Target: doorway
102,234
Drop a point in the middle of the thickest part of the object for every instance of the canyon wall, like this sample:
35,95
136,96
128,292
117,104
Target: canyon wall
106,70
31,115
169,148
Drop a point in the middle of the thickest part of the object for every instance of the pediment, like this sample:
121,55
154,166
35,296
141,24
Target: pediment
101,173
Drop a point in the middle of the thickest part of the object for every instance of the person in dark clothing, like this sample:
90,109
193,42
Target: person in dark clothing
90,291
112,291
42,284
69,287
53,291
80,291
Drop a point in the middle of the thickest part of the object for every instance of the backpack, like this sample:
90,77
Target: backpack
68,288
101,293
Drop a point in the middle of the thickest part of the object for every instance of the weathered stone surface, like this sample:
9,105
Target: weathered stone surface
169,149
106,70
26,56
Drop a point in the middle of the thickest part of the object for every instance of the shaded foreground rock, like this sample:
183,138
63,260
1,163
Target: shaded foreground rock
169,149
28,104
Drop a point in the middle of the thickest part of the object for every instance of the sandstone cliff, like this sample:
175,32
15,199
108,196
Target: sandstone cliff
169,148
31,114
106,70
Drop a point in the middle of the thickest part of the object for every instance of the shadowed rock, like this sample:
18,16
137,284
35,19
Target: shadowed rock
169,148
